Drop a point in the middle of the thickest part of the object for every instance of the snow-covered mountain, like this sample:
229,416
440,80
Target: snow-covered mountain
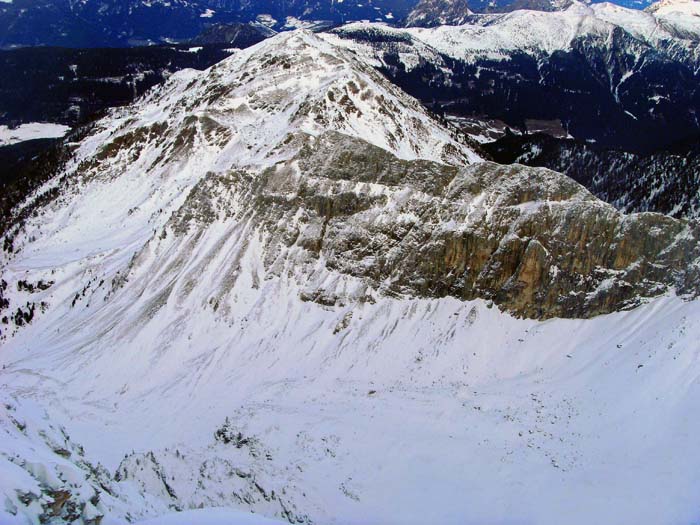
281,285
100,23
507,6
623,78
671,7
537,31
683,15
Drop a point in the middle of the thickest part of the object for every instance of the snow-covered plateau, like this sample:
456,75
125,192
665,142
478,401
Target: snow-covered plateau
31,131
281,286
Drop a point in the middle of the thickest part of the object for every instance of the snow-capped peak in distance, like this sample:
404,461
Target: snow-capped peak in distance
538,31
665,7
682,15
631,61
89,23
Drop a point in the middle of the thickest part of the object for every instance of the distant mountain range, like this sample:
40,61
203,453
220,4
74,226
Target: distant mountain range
119,23
620,78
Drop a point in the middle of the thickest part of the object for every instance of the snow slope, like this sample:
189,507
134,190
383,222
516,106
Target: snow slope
31,131
215,516
417,411
668,7
683,15
175,360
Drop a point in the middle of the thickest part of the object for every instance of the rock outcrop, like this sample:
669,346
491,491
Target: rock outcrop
530,239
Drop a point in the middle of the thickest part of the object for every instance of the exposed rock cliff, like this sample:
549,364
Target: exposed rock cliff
532,240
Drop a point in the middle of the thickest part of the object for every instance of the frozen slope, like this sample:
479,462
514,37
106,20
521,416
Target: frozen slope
194,345
397,412
215,516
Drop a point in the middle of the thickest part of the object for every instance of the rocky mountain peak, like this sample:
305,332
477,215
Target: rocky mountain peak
254,109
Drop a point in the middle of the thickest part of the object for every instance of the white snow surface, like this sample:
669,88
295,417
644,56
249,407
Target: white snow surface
31,131
211,516
392,411
684,15
419,411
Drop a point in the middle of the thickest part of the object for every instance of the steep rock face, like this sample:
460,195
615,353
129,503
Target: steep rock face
534,241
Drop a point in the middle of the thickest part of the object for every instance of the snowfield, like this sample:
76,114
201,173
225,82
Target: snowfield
175,361
214,516
417,411
31,131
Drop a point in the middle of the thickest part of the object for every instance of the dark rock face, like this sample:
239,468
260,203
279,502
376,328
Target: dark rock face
665,182
532,240
236,35
431,13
